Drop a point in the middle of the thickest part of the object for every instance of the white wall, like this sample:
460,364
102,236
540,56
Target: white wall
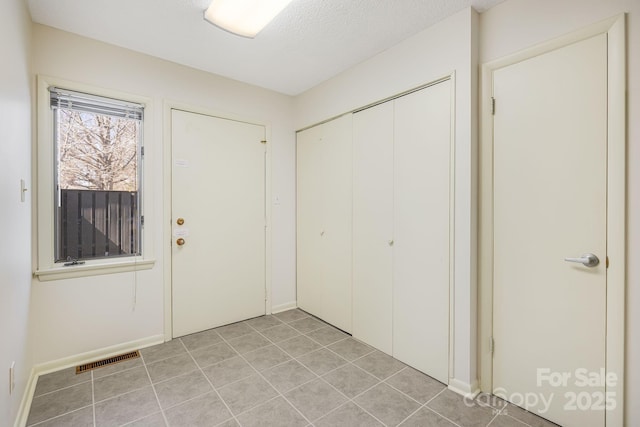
15,253
437,51
518,24
85,314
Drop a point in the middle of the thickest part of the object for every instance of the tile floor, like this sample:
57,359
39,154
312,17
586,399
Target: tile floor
289,369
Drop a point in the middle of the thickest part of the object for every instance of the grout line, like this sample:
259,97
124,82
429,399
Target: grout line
442,416
57,416
291,355
122,394
270,384
337,408
62,388
436,395
326,346
93,399
154,389
436,412
113,373
401,392
492,419
142,418
411,414
210,383
168,357
188,400
353,400
253,330
259,404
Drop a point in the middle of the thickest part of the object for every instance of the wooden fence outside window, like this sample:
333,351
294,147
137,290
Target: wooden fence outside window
97,224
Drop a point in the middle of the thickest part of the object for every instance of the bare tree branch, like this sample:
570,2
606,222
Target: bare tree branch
97,152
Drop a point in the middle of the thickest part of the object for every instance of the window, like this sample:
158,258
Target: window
98,142
90,181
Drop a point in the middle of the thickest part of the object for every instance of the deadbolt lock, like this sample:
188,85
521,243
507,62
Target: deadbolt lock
180,221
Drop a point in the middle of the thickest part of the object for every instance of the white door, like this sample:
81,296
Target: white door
324,221
373,226
310,202
422,144
337,220
218,253
550,154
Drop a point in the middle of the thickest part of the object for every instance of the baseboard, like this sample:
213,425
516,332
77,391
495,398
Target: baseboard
27,397
468,390
78,359
283,307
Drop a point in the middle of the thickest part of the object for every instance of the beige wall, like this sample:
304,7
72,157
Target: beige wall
79,315
518,24
15,150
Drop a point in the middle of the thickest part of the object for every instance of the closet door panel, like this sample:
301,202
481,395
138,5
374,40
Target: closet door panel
421,230
337,221
373,225
310,195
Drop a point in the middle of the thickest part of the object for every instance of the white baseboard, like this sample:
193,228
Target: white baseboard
283,307
468,390
78,359
27,398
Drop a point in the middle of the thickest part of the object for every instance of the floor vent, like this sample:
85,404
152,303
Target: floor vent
105,362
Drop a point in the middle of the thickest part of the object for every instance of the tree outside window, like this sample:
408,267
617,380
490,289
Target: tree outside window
97,179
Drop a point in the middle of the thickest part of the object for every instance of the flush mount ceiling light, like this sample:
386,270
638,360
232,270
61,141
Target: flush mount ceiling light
243,17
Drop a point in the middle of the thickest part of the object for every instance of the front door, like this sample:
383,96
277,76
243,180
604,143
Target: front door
550,200
218,221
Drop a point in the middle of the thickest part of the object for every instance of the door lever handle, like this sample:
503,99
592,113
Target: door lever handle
588,260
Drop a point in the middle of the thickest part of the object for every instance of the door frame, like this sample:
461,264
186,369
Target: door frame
168,106
614,28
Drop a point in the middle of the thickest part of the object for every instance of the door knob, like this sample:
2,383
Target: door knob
390,242
588,260
180,241
180,221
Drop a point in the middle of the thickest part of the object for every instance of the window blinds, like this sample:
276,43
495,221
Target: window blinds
62,98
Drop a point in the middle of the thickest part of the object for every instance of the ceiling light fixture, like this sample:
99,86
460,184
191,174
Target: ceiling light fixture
243,17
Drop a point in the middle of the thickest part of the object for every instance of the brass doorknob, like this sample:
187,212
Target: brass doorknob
180,221
180,241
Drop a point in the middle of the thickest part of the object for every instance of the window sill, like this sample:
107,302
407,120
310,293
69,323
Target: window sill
86,270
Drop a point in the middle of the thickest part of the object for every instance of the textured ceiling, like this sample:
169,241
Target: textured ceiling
309,42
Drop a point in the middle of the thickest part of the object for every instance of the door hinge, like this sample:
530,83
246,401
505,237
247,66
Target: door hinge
142,220
493,106
607,259
142,151
492,345
264,141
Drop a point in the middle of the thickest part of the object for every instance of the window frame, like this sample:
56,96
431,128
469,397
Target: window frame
45,267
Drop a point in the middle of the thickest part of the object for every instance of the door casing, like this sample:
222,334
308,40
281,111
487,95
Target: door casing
616,203
167,206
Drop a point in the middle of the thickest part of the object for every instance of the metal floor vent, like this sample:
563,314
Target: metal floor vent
108,361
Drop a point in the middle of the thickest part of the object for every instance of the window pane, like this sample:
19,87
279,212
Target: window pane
97,179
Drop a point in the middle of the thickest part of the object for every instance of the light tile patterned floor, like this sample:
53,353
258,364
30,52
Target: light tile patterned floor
289,369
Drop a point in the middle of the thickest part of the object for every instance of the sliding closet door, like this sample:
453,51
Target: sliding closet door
310,202
373,225
421,230
337,220
324,221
